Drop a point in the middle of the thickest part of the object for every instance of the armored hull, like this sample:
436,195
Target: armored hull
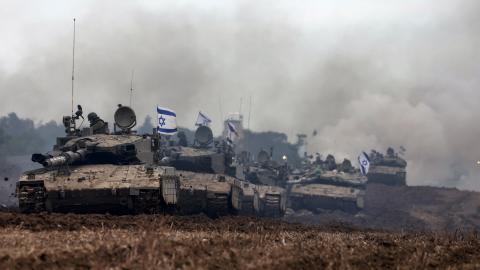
99,188
204,192
328,190
144,189
387,175
315,197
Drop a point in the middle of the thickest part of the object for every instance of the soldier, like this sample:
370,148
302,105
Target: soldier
98,125
330,163
182,139
346,166
318,159
390,152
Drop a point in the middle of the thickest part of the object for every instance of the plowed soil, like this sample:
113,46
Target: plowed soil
52,241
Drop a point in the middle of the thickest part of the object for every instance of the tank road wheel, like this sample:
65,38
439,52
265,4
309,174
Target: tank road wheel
217,205
31,198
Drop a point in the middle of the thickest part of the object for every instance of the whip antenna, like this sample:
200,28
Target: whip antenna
131,87
73,60
249,112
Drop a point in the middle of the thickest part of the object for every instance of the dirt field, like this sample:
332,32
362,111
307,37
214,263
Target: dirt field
153,242
408,208
400,227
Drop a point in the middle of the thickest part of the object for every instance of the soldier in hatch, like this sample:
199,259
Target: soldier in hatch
330,163
346,166
97,124
390,152
182,139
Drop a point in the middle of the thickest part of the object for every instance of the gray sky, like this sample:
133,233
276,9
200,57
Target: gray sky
365,74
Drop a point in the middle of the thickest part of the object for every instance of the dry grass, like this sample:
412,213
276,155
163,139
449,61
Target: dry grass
155,242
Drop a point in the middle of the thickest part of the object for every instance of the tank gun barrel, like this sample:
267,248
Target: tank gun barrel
65,158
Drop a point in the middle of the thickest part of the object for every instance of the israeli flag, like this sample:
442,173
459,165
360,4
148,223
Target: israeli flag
364,162
203,120
232,132
232,128
167,121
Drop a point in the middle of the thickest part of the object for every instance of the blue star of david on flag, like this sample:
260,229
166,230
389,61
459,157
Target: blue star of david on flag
161,121
364,162
167,121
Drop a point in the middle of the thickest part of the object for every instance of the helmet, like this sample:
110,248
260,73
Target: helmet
92,116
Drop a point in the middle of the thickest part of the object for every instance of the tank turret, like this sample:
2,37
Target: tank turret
388,169
266,171
205,155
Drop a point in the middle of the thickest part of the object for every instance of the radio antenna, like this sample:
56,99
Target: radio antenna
131,87
249,112
73,60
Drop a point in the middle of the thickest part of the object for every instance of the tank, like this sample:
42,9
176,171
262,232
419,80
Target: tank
388,169
325,185
95,171
209,163
265,171
92,170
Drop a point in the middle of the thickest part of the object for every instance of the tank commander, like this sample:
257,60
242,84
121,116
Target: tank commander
346,166
97,125
182,139
391,152
330,163
318,159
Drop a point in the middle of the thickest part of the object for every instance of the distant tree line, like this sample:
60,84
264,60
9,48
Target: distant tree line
21,136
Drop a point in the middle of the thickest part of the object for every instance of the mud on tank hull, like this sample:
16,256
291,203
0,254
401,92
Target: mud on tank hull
139,189
387,175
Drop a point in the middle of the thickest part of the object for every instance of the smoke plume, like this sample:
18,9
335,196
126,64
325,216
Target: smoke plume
365,75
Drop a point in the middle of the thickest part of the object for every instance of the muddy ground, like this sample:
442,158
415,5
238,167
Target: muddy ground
51,241
417,208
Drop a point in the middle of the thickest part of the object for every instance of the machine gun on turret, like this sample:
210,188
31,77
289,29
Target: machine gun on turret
70,122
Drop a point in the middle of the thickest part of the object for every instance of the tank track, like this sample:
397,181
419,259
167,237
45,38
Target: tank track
32,198
217,205
272,206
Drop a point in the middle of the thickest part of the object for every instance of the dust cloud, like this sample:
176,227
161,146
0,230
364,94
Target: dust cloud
364,75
